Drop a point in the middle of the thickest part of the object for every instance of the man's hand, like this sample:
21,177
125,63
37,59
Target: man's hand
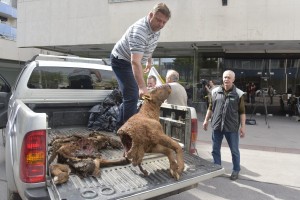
148,65
243,126
242,131
205,124
207,117
147,68
143,91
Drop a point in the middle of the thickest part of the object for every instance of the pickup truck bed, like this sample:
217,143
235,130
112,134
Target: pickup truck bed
125,182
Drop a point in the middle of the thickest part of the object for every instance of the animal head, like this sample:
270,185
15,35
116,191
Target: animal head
158,94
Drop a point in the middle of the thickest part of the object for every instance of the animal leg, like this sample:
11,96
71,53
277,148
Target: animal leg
142,170
168,142
108,163
174,169
60,172
53,156
136,153
96,171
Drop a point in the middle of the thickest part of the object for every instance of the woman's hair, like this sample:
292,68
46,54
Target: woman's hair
163,8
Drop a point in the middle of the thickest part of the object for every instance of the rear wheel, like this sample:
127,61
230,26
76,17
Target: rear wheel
13,196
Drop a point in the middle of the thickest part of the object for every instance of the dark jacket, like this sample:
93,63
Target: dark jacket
225,107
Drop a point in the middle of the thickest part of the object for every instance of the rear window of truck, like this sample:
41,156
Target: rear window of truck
72,78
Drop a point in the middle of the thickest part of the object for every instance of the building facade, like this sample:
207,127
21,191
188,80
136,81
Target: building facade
258,39
12,58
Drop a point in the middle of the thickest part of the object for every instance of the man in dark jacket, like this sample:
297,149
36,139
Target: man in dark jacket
227,113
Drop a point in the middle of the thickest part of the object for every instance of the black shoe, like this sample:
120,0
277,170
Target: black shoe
234,175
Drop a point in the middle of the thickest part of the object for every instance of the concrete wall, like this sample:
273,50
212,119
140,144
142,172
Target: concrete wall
12,58
10,51
69,22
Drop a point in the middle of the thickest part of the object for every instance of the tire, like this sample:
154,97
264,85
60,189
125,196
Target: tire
13,196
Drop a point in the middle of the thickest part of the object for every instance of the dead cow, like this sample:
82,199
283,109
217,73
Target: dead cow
143,133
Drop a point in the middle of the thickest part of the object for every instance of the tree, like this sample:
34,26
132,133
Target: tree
184,66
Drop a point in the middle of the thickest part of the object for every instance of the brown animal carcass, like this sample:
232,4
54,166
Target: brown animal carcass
143,133
82,154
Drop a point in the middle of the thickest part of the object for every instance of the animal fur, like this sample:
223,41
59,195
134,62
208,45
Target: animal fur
82,155
143,133
60,173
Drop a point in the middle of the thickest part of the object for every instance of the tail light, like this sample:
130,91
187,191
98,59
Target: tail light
194,135
33,157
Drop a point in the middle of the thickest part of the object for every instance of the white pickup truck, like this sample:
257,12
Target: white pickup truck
45,103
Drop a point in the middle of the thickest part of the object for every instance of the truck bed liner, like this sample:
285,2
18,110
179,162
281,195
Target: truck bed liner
127,182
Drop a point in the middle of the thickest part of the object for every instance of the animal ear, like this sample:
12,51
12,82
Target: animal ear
146,97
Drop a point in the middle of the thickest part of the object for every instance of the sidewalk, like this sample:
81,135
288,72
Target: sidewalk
274,133
270,163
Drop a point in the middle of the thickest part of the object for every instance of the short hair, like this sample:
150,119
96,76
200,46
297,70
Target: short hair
162,8
172,75
153,77
230,72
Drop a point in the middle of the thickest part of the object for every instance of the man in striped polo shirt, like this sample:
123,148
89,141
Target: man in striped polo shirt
134,49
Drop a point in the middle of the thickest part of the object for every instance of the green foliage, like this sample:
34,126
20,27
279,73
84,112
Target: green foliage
184,66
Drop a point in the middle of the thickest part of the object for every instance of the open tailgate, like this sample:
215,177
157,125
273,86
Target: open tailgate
127,182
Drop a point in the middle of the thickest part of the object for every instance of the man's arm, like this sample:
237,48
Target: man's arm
148,65
207,117
243,125
242,111
137,69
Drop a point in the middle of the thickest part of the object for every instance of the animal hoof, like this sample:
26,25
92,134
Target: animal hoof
145,173
175,174
55,179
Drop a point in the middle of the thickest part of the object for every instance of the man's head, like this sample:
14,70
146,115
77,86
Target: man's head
151,81
172,76
159,16
228,79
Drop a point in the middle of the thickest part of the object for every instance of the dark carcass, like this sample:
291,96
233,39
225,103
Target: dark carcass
82,154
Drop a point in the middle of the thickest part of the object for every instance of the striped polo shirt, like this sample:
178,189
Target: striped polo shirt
138,39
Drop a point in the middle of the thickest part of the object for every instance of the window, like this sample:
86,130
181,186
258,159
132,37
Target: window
71,78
